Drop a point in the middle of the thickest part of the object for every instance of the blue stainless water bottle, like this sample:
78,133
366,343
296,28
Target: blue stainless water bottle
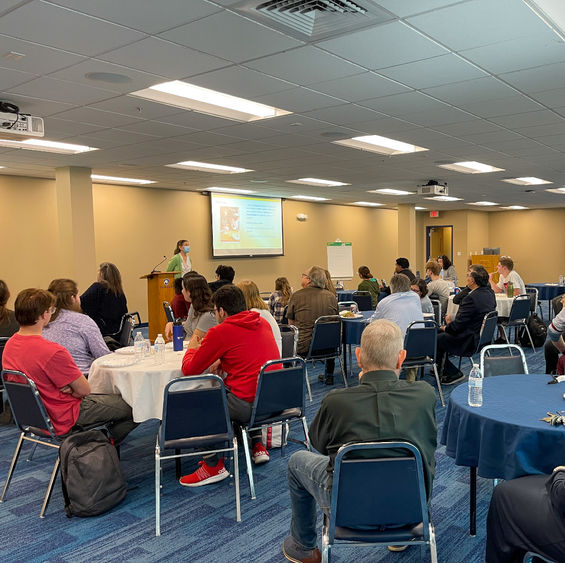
177,336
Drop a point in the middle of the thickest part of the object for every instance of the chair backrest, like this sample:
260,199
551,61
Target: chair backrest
326,338
3,341
520,308
437,310
363,300
421,339
279,389
378,484
126,330
289,336
27,407
532,293
503,359
168,312
346,305
488,328
195,413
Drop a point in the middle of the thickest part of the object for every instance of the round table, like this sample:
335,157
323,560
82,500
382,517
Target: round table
505,438
503,305
547,291
141,385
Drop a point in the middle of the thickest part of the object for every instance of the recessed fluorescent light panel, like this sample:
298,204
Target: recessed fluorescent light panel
483,203
444,198
229,190
309,198
367,203
471,167
188,96
390,191
527,181
46,146
380,145
556,190
117,180
516,207
317,182
208,167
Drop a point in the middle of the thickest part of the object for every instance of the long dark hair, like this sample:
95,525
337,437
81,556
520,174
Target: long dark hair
4,296
446,262
111,278
179,242
64,290
282,285
200,293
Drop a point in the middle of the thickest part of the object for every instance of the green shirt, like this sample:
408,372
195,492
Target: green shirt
381,407
372,286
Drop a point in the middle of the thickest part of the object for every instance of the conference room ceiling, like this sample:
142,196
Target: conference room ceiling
473,80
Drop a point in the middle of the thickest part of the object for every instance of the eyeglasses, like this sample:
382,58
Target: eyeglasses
305,276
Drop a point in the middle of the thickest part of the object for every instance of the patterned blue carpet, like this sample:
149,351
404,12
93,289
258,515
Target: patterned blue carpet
199,525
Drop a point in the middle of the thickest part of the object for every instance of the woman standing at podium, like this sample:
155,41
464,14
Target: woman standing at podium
104,301
180,262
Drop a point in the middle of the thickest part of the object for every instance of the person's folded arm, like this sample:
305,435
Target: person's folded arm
197,360
79,387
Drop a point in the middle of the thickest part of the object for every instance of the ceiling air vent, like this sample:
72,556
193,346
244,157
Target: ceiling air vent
312,20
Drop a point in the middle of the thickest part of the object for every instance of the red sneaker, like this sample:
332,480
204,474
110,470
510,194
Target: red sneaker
260,454
205,475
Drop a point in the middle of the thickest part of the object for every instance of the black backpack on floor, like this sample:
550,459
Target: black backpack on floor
537,329
91,475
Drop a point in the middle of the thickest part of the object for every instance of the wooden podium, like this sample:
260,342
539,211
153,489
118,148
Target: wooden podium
160,287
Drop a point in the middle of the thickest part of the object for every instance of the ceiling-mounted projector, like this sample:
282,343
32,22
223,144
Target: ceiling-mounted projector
433,187
20,126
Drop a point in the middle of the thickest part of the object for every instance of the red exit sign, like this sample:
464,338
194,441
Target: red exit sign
434,213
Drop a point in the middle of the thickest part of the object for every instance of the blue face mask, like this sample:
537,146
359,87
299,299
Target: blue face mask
186,249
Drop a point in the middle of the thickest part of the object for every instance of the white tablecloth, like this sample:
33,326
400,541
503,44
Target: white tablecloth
503,305
141,385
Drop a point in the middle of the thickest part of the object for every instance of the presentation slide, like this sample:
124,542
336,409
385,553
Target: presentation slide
246,225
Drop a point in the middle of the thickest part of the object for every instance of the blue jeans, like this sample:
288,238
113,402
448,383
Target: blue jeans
309,484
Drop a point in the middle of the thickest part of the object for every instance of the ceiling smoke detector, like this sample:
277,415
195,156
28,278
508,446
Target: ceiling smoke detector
313,19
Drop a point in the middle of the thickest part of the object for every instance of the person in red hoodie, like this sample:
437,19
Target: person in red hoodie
238,346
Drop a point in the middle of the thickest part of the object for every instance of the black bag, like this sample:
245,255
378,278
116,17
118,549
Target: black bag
91,475
537,329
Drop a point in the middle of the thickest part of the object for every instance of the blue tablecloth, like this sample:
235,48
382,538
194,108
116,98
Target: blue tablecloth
353,328
546,292
505,438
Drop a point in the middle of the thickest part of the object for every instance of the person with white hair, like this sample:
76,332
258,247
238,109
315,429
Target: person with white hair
381,407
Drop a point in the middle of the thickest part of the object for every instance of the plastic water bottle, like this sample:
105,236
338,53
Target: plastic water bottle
160,349
139,343
475,387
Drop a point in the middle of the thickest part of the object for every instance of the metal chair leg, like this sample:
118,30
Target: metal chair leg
236,476
157,493
245,440
32,453
308,383
306,436
342,371
438,385
50,487
12,466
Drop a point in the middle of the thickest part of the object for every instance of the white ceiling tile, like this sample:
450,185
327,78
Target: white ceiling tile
401,104
64,29
441,70
537,79
359,87
551,98
194,120
97,117
343,115
12,78
436,117
152,17
477,23
136,107
411,7
518,121
36,106
38,59
383,46
471,91
462,130
230,37
157,128
63,128
503,106
298,100
304,66
164,58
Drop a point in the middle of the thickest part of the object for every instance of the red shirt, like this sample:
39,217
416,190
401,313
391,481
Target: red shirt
179,306
243,343
50,367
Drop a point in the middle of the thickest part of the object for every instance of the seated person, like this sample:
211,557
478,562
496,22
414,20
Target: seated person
278,300
224,275
460,336
402,266
64,390
178,302
71,328
448,272
369,283
420,288
438,288
381,407
555,344
8,323
201,315
238,345
255,303
527,514
508,275
104,301
330,284
402,306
